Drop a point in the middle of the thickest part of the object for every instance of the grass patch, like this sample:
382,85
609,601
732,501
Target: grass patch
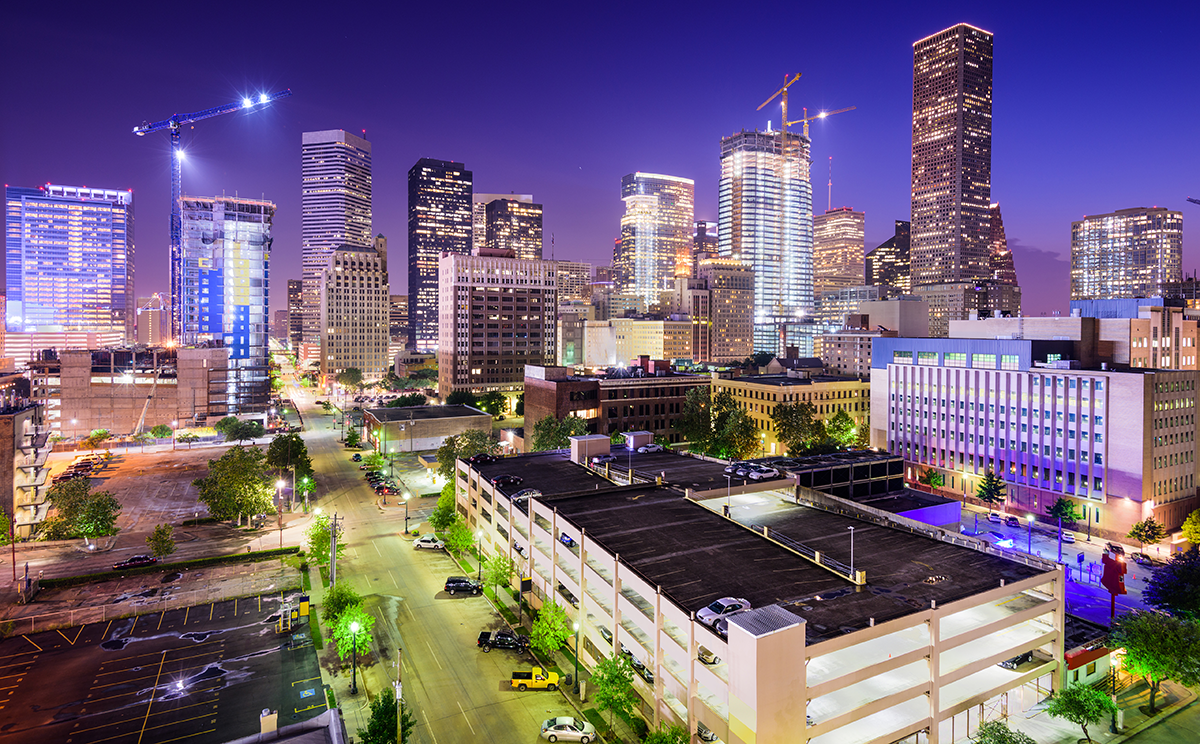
635,722
314,630
434,494
215,560
305,579
330,698
600,722
324,577
200,521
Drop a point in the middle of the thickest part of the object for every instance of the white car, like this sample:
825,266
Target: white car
720,608
762,472
429,541
1068,537
566,728
650,448
601,459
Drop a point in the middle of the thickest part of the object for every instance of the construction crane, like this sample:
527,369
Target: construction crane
175,124
821,115
784,92
1193,201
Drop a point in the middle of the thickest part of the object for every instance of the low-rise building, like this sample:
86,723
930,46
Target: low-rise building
420,428
848,352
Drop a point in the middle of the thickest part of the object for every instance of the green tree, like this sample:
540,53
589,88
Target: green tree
187,438
520,407
673,734
350,378
998,732
79,512
734,435
349,639
990,489
761,359
161,541
352,437
862,439
1082,705
493,402
1148,530
374,461
96,438
339,597
462,398
405,401
793,425
287,451
1175,587
695,421
932,478
1158,647
1062,509
461,446
317,537
1191,528
237,485
551,433
499,571
223,426
459,537
381,726
244,430
161,431
612,686
617,437
444,512
98,515
841,429
550,629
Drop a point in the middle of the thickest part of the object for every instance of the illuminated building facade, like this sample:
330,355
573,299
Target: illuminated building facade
1128,253
479,204
355,311
295,308
335,208
69,260
1003,269
888,264
730,308
574,280
515,226
838,239
765,219
439,221
226,254
656,230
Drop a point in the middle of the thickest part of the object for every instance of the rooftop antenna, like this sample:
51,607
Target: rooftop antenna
551,246
830,206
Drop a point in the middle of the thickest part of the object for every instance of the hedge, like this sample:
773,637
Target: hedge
213,560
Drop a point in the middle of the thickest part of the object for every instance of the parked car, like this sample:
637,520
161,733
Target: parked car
364,466
566,539
501,639
1017,660
1067,537
565,728
762,472
706,656
1012,521
535,679
601,459
135,562
722,625
518,549
481,459
652,447
605,633
994,517
1114,548
703,733
733,467
506,480
456,584
356,457
428,542
567,595
1142,559
744,470
720,608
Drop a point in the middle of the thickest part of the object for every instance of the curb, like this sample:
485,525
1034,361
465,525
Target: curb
1186,701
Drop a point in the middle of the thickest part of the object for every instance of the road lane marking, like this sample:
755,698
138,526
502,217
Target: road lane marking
131,627
376,545
431,653
160,619
468,720
153,690
39,648
211,607
302,681
185,614
393,579
428,727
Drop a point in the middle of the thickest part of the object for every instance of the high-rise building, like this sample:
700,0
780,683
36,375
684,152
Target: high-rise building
152,320
1003,270
516,226
888,264
295,300
354,313
574,278
398,317
479,204
951,156
280,329
69,259
656,230
226,251
335,208
731,286
1127,253
497,313
765,217
439,221
838,238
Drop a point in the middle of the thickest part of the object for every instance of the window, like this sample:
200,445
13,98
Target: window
927,358
983,361
1091,669
902,357
1010,361
955,359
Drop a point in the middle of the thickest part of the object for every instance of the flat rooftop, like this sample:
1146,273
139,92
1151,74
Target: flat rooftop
900,501
783,380
419,413
548,472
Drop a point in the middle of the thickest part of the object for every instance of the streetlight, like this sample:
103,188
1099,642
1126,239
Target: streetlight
279,484
73,432
728,488
354,658
479,551
1029,547
407,496
576,658
851,552
174,426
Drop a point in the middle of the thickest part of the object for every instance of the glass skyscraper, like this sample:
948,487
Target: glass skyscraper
69,259
1127,253
656,230
439,219
765,219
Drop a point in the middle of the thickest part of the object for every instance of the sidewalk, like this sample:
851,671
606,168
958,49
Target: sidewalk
1172,698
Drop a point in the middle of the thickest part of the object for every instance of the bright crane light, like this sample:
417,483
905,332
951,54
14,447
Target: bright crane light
247,103
263,98
182,155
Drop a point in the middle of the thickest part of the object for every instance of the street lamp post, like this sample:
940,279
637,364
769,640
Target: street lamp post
479,551
279,484
174,426
74,433
728,488
1029,546
354,658
407,496
576,658
851,552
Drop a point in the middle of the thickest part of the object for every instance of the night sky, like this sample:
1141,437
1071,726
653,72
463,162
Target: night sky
1095,107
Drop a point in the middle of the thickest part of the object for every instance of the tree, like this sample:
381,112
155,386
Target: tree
1062,509
339,597
932,478
1158,647
161,542
223,426
1082,705
461,398
459,537
737,435
695,422
349,640
551,433
187,438
550,629
98,515
317,537
493,402
841,429
1191,528
461,446
381,726
350,378
862,440
498,571
1175,587
444,512
287,451
612,685
96,438
161,431
520,407
672,734
990,489
243,430
405,401
352,438
761,359
79,512
374,461
1147,531
237,484
998,732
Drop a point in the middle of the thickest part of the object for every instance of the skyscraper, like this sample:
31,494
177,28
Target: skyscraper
69,259
574,278
439,220
479,204
335,207
731,308
1127,253
838,238
1003,270
765,219
354,313
888,264
295,307
514,226
655,229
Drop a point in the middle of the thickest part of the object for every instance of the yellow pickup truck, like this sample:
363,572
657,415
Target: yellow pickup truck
535,679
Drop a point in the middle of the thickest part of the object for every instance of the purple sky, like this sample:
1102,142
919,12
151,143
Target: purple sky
1093,110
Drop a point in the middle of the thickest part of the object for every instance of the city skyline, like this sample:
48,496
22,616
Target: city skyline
1045,180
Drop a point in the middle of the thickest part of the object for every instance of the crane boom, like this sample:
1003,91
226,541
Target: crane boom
821,115
1193,201
179,119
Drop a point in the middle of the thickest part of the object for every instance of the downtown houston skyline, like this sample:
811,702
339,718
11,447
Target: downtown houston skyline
579,117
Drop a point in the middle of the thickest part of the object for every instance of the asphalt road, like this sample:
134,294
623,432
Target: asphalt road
199,675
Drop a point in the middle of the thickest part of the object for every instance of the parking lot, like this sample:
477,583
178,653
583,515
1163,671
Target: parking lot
181,675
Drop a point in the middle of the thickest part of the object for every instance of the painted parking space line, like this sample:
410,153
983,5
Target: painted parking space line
72,640
39,648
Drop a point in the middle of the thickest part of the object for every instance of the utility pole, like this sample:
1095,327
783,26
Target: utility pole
399,693
333,532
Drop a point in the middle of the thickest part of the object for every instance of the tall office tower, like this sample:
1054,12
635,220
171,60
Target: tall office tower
731,286
151,312
226,254
439,221
398,317
514,226
691,297
603,273
1128,253
354,313
838,238
888,264
295,307
765,218
574,278
335,208
479,204
704,243
279,325
655,229
69,259
497,313
1003,270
